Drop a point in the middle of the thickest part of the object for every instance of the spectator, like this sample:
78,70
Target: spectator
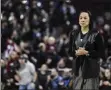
39,56
61,63
106,82
11,67
26,75
43,77
3,74
67,78
56,81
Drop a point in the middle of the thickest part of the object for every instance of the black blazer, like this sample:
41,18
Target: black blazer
96,49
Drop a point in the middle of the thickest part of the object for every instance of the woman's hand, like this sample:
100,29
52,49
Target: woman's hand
81,51
107,83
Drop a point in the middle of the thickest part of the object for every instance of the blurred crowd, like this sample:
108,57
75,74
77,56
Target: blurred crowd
34,44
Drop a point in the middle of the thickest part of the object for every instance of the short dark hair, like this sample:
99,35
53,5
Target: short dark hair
24,57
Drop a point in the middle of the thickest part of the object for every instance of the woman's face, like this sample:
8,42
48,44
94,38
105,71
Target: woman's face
44,67
107,73
84,19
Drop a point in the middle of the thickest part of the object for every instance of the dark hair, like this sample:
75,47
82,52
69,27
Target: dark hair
24,57
90,17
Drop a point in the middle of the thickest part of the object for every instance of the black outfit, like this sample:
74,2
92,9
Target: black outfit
40,56
86,67
43,80
54,57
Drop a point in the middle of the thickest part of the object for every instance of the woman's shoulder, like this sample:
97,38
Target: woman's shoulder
95,32
74,32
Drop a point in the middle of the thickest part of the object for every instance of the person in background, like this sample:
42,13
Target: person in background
43,77
55,80
26,74
12,65
106,80
3,74
67,78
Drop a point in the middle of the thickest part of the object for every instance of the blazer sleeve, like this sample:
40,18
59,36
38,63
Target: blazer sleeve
71,46
99,48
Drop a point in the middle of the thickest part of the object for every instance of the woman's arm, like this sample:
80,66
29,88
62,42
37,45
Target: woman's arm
99,48
71,51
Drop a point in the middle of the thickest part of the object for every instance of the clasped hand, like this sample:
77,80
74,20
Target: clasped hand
81,51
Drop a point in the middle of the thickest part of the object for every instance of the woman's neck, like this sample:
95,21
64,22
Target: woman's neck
84,29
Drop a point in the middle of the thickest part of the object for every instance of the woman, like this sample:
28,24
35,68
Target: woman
86,46
42,77
106,80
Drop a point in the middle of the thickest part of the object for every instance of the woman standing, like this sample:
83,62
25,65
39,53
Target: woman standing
86,46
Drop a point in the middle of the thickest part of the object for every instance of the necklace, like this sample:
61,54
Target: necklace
81,40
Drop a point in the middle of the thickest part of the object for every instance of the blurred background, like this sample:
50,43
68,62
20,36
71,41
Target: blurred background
40,29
